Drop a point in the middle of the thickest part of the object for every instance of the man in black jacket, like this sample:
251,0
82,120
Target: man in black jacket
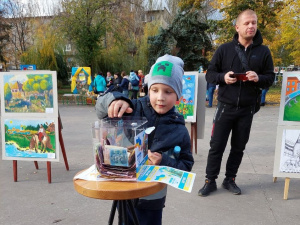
237,97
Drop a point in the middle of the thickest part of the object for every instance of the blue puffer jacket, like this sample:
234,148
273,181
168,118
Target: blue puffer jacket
100,83
170,131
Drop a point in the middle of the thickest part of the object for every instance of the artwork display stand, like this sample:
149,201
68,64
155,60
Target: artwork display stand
30,120
197,127
194,136
63,150
286,163
192,105
286,186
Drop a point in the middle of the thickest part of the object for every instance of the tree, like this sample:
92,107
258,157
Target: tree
266,12
288,32
47,51
84,22
20,34
4,37
186,37
7,93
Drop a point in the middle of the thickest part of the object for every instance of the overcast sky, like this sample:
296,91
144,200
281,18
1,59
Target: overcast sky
45,6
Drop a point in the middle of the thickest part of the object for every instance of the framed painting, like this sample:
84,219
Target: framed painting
290,99
30,139
187,104
81,79
29,93
287,153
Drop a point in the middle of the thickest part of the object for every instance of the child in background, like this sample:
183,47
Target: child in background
99,83
125,83
141,77
165,88
134,89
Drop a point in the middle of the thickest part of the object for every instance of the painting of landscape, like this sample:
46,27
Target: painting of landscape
31,139
25,92
186,105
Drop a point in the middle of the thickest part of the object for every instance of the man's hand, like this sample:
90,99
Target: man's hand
228,79
252,76
118,107
154,158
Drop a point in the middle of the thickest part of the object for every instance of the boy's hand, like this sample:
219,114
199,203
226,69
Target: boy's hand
154,158
118,107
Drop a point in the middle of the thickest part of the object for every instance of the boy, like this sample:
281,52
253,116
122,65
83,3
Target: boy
165,88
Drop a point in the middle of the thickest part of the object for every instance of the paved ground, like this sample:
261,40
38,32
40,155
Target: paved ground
33,201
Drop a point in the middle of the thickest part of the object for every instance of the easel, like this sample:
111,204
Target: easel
197,126
286,186
63,150
194,136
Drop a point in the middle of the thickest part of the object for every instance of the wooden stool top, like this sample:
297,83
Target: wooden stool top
116,190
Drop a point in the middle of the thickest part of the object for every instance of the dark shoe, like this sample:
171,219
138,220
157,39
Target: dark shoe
262,104
209,186
230,185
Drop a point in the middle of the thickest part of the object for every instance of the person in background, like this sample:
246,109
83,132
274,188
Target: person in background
133,76
165,87
145,84
99,83
210,93
141,77
263,96
117,82
125,83
109,79
236,99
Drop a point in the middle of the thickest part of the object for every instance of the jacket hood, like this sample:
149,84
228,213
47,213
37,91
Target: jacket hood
257,39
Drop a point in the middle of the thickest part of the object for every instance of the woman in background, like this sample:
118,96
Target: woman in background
99,83
125,83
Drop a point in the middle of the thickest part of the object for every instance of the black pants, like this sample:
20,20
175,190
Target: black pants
238,121
134,94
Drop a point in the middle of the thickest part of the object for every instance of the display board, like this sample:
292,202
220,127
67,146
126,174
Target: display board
187,103
290,99
287,152
29,115
28,67
81,79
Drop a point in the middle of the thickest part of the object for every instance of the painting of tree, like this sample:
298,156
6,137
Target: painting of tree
28,93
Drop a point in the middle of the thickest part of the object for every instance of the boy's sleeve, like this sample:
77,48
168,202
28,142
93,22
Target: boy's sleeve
103,103
185,160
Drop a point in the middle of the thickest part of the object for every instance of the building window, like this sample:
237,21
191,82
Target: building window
68,48
287,89
289,83
293,89
293,83
152,18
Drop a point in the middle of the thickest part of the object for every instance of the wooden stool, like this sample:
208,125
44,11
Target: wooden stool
121,192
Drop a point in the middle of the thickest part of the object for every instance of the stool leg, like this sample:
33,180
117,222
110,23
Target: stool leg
120,209
132,211
112,212
124,211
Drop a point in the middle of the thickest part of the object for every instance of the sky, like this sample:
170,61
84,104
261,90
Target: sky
45,5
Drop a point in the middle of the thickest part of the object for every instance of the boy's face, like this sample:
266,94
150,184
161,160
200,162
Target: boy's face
162,98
